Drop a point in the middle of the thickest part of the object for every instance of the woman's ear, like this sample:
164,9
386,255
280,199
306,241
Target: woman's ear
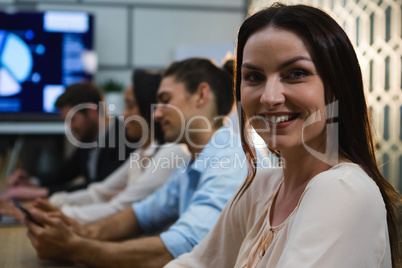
203,92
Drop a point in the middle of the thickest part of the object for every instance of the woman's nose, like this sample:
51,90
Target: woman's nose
273,94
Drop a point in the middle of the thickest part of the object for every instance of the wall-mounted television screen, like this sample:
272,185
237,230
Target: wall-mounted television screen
40,54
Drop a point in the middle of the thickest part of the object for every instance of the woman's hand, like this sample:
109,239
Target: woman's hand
19,178
25,192
7,208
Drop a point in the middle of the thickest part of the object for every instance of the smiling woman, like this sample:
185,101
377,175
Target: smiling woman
300,86
281,86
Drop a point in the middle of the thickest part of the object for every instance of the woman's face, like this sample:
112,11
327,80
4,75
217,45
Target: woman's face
281,89
133,127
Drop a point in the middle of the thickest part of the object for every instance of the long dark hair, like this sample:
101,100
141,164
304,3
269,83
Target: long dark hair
337,65
145,85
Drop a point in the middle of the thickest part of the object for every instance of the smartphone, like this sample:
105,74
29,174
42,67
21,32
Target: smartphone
26,212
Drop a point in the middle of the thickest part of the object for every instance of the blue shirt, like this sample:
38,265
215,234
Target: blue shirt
194,196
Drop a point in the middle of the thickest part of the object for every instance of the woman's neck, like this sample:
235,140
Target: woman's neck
300,166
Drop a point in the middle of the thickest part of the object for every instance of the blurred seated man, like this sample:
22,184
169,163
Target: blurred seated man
101,146
193,98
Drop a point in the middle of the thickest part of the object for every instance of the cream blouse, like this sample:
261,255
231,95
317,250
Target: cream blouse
340,221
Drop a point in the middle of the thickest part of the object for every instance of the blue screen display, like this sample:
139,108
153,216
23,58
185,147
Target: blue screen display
41,54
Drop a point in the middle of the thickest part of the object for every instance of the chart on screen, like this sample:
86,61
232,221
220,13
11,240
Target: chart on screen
15,63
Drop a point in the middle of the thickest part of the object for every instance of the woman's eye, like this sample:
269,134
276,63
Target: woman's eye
297,74
163,101
253,77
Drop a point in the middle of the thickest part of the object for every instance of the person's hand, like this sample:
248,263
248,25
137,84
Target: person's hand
7,208
25,192
45,205
19,178
54,242
53,211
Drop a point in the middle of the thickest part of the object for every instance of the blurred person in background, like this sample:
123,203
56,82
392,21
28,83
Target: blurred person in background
89,123
147,168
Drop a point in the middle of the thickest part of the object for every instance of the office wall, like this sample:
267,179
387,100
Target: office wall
147,34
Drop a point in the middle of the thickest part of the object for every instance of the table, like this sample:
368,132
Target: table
16,250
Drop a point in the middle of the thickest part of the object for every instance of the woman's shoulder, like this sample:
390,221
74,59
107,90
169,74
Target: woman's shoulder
172,155
346,181
169,149
341,201
347,174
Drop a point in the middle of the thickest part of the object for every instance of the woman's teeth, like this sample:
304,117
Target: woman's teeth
280,119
